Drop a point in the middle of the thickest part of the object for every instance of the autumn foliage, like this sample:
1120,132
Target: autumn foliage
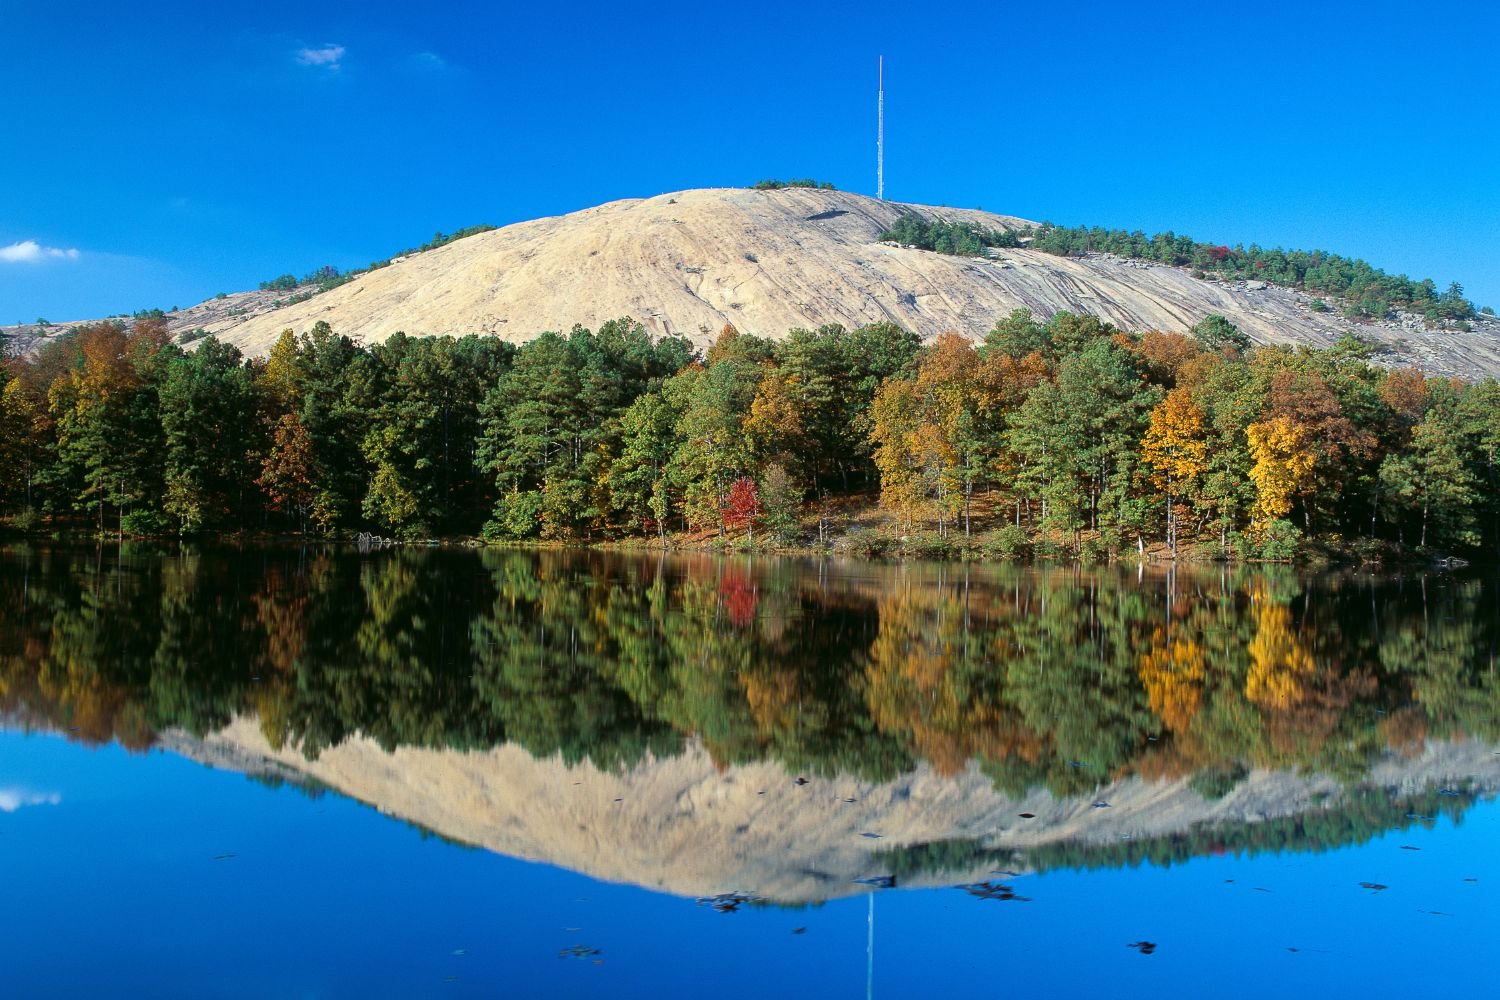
1063,437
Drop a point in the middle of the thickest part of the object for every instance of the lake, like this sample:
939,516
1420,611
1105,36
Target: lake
310,773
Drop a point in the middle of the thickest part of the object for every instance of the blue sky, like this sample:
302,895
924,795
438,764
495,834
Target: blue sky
157,153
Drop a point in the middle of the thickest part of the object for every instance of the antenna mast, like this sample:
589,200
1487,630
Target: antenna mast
880,135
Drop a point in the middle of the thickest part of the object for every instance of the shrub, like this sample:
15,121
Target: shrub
516,515
863,543
1277,541
144,522
934,547
1009,543
1049,550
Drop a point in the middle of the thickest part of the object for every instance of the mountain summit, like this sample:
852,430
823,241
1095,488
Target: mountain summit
770,260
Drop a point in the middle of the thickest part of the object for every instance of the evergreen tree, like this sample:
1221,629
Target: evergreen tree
208,418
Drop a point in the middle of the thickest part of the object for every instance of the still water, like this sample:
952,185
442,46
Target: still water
517,774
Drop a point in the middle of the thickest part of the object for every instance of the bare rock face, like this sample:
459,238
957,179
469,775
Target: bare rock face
768,261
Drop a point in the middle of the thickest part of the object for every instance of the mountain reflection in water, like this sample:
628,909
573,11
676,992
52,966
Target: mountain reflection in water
948,721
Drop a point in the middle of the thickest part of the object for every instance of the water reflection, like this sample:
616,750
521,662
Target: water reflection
956,720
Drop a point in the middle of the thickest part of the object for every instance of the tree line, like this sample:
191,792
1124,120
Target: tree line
1066,437
323,278
1367,291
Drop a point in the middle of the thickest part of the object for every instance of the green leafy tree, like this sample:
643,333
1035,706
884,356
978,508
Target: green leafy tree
208,417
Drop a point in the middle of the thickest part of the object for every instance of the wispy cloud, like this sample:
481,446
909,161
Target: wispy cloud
32,252
429,61
12,799
328,56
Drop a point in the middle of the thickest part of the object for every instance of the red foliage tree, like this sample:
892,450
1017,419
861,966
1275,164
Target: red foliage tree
742,505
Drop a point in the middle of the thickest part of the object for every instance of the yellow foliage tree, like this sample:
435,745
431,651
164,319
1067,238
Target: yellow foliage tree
280,379
1175,448
22,426
928,434
1285,456
774,426
894,422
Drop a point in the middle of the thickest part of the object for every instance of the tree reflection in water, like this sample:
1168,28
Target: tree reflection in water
1055,677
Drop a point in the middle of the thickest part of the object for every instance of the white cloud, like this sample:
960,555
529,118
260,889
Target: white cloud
12,799
429,61
32,252
328,56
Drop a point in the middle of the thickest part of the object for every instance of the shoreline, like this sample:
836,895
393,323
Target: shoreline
867,545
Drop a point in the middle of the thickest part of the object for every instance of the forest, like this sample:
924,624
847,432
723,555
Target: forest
1059,439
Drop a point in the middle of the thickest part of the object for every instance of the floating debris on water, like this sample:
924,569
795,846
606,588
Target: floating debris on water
727,902
1001,891
1101,804
1144,947
799,930
579,951
871,836
1373,886
1027,815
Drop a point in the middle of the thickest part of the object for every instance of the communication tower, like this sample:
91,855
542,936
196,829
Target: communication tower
880,134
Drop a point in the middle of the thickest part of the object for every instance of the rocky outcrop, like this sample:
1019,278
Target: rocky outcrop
769,261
